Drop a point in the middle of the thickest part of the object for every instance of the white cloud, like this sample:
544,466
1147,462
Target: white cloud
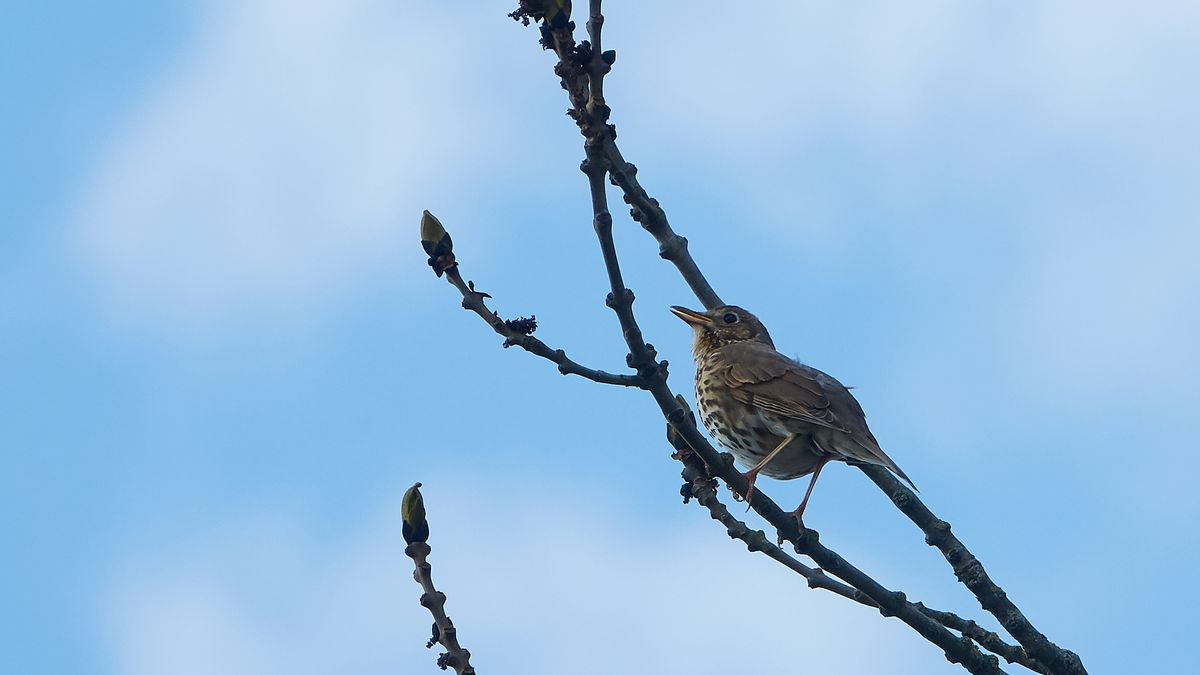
282,158
1066,129
532,589
280,163
883,67
911,97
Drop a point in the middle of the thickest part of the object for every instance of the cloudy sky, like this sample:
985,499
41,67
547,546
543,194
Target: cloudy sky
224,358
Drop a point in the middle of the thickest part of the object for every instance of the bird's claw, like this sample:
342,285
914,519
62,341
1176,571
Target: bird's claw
751,477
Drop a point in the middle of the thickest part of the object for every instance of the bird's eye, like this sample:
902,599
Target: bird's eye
730,317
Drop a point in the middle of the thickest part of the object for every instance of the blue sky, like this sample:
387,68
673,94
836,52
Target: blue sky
225,358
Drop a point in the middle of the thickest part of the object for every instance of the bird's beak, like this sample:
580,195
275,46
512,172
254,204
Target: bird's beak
692,317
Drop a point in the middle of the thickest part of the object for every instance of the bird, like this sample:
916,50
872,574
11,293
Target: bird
776,415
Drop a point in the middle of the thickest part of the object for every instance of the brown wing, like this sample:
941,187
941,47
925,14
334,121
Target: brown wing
761,376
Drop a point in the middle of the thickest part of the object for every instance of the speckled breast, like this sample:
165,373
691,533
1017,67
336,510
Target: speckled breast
746,433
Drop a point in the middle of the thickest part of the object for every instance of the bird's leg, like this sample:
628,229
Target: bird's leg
799,512
752,474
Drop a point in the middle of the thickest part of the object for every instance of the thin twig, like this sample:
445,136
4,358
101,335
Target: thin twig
703,489
646,210
416,532
806,542
473,300
435,601
581,68
971,573
986,638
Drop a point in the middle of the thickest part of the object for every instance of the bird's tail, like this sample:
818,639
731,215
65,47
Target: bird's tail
869,452
891,466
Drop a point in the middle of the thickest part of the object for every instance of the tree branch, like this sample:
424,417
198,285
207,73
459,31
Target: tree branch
582,71
516,332
699,486
416,531
806,542
986,638
643,357
581,68
646,210
971,573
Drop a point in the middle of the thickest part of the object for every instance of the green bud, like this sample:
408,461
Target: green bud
437,244
412,510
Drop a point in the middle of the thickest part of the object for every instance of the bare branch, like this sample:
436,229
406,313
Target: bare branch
986,638
971,573
699,486
646,210
703,489
592,120
416,531
643,357
806,542
582,73
581,68
517,332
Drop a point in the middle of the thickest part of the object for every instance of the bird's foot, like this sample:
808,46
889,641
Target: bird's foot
750,477
798,514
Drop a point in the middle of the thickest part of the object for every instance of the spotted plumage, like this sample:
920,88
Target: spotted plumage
774,414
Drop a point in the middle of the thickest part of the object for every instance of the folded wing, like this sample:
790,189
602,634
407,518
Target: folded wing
764,378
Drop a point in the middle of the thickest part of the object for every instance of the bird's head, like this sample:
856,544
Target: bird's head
722,326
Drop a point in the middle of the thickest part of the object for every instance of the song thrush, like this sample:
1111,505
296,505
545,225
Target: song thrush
774,414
